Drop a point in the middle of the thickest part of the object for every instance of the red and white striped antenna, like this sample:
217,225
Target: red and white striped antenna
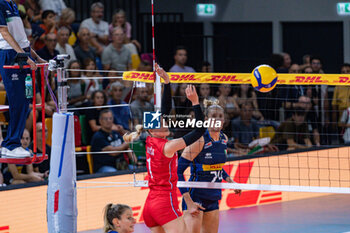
157,84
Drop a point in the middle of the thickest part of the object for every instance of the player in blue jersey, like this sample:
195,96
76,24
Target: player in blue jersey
206,158
14,44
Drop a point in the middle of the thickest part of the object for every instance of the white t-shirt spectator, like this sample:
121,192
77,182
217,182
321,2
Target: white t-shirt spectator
100,29
56,5
345,118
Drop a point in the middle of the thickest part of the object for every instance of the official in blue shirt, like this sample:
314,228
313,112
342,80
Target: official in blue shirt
13,41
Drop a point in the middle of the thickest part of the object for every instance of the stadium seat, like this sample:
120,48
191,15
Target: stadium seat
267,131
140,151
90,160
84,138
48,125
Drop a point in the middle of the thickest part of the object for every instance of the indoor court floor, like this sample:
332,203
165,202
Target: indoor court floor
326,214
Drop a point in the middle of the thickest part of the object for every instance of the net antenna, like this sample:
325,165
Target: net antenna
157,84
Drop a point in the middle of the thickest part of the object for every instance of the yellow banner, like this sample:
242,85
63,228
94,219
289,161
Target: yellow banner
241,78
212,167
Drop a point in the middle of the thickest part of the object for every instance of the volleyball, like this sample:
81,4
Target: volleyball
264,78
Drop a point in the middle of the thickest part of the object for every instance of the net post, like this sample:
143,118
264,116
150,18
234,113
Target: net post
34,116
43,133
62,193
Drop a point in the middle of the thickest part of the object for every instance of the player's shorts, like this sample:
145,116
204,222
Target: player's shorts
209,205
160,208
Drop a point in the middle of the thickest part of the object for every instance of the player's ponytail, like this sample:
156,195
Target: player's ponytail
130,137
111,212
210,105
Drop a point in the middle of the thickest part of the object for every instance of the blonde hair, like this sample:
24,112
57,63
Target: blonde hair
66,14
210,105
130,137
111,212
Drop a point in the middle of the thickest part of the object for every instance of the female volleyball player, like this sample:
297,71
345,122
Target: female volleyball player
161,212
207,157
118,219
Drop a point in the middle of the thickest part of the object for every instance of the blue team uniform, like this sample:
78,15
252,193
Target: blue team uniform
13,79
208,167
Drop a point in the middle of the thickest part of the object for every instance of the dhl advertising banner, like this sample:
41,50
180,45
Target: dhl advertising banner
241,78
24,210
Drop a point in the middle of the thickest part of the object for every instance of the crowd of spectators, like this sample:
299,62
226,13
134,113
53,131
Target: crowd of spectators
300,116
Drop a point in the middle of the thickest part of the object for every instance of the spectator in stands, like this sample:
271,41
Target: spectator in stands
245,128
106,139
67,19
43,167
140,105
48,25
116,55
49,50
91,85
287,61
320,101
98,98
98,28
21,174
55,5
291,93
344,123
226,101
180,58
62,44
83,50
76,91
245,93
306,62
119,20
206,67
341,96
293,133
121,114
304,102
307,70
204,93
33,10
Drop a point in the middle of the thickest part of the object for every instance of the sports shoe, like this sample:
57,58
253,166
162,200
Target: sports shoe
17,153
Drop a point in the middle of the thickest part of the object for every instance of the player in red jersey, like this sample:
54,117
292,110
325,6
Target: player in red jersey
161,212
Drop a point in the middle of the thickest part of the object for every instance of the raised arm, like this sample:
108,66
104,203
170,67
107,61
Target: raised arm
166,98
174,145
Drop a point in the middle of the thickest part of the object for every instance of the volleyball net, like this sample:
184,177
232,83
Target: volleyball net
290,139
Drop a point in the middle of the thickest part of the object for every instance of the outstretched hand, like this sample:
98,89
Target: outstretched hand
191,94
162,74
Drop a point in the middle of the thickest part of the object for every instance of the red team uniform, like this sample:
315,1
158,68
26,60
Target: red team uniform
161,204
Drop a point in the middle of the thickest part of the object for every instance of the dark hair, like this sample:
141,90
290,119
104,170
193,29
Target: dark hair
345,65
87,61
104,111
179,47
276,60
238,91
111,212
104,96
315,57
246,103
299,111
206,63
70,64
46,13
